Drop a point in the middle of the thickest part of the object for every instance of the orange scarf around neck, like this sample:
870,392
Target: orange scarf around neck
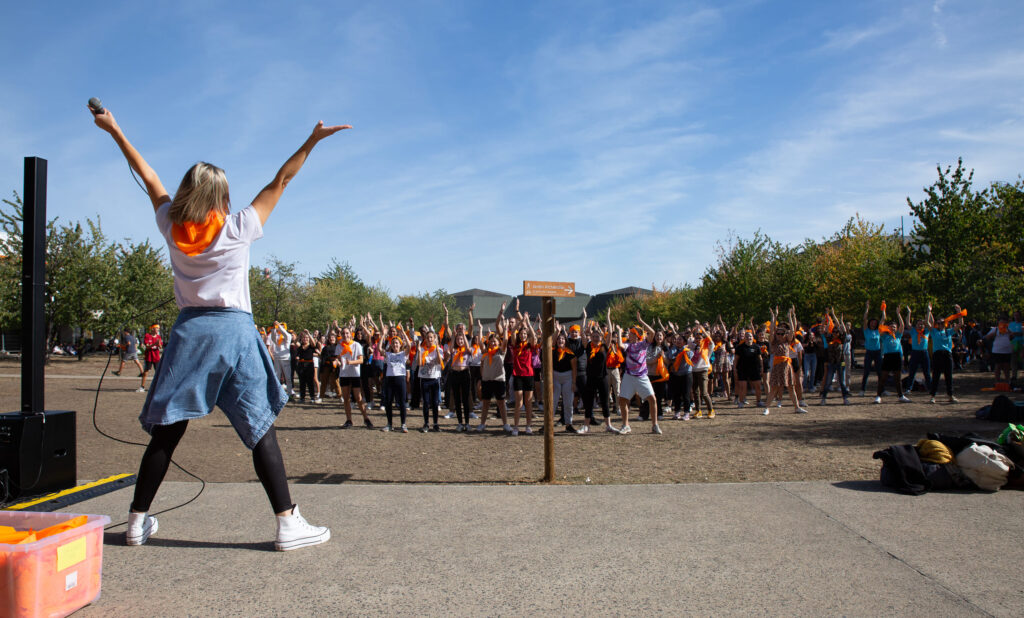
193,238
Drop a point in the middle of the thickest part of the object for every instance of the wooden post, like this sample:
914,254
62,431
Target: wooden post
548,328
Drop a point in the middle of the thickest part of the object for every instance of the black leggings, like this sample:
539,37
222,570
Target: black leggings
681,386
306,381
460,383
595,387
942,363
266,458
394,393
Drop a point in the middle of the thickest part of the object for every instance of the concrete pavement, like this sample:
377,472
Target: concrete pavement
809,548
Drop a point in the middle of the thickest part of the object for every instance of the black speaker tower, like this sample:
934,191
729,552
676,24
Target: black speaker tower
37,447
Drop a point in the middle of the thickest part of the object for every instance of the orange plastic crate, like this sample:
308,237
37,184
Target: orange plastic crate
56,575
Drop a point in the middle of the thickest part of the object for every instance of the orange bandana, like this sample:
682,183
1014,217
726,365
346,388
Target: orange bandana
346,348
661,370
427,352
594,351
886,330
615,358
562,352
459,354
682,355
193,238
960,314
490,354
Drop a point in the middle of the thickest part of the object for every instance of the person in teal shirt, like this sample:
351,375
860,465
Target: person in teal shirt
1017,355
872,347
919,339
891,333
941,334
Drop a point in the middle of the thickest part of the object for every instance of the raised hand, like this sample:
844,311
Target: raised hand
320,131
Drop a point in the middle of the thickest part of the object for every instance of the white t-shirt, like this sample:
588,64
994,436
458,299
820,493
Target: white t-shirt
1001,343
396,363
431,366
351,367
280,344
219,276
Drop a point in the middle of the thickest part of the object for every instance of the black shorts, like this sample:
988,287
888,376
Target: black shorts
1000,359
492,389
348,381
892,361
152,364
522,383
748,373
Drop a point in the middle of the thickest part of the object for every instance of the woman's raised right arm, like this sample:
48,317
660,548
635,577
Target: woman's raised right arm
155,189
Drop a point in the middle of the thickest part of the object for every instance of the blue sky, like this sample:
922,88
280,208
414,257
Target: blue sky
610,144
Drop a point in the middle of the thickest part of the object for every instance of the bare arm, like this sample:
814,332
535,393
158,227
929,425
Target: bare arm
267,199
154,188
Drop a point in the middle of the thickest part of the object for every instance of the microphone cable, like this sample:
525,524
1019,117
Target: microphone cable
95,405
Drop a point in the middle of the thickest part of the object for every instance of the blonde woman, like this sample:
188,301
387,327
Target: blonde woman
213,341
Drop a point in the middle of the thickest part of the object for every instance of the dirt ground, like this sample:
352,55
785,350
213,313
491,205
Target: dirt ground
834,442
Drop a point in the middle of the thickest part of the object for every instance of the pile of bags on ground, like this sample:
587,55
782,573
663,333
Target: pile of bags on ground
968,462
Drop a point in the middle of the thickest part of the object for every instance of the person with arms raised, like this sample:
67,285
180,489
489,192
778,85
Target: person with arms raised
213,341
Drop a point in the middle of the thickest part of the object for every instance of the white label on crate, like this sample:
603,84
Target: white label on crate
71,580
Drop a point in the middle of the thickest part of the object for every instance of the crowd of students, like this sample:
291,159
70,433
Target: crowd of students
677,370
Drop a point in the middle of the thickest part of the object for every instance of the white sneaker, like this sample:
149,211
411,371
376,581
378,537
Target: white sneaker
528,431
656,429
932,400
803,404
479,428
953,399
583,429
514,432
800,410
766,412
293,532
458,427
318,400
386,428
140,390
507,428
449,415
625,429
904,399
404,429
878,399
740,404
140,527
473,415
611,429
778,404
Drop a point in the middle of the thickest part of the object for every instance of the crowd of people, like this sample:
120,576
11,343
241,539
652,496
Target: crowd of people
671,369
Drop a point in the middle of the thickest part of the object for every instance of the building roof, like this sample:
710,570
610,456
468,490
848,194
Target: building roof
478,292
626,291
566,309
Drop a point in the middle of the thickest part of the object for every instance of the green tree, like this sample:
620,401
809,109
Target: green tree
428,308
951,244
276,292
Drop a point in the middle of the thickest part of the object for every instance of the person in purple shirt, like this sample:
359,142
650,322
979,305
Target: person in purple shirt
635,380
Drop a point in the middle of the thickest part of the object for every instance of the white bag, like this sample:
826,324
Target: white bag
984,466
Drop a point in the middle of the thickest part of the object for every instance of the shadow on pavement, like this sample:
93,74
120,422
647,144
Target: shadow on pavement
117,538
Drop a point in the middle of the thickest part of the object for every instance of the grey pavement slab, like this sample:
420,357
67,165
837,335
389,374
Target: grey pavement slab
814,548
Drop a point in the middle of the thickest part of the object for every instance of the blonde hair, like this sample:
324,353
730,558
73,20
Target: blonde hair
204,188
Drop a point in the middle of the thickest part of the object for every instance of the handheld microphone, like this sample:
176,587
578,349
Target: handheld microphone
96,106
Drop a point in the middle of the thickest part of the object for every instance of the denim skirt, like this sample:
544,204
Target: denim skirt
215,357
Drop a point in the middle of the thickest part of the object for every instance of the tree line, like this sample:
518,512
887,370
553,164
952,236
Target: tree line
966,246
